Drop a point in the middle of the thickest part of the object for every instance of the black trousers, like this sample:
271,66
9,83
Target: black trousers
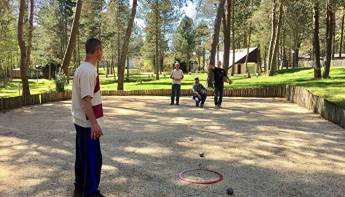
88,162
200,99
218,95
175,92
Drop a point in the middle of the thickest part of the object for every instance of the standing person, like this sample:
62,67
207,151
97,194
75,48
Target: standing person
176,76
87,114
219,77
199,93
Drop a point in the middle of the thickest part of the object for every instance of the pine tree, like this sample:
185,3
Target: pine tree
184,41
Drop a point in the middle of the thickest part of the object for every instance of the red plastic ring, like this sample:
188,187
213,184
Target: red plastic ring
207,182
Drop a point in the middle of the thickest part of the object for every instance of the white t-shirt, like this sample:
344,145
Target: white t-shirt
177,75
86,83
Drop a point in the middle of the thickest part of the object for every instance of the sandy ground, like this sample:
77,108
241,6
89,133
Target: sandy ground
263,147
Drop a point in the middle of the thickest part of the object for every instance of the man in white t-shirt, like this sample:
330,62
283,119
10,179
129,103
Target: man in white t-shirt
87,114
176,76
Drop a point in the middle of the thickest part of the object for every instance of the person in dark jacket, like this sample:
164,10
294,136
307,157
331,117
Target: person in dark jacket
220,76
199,93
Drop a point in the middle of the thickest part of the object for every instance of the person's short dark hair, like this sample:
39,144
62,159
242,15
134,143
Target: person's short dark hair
196,78
92,45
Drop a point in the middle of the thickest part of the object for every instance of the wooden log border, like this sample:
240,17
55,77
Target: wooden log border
19,101
275,91
327,109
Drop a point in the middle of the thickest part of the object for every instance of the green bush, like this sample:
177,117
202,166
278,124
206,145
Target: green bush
60,81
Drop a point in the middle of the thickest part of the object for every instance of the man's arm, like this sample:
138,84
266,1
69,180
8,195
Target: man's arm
226,78
203,87
182,76
194,91
96,130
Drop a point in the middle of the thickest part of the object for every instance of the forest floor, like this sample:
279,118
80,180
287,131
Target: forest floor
262,146
331,89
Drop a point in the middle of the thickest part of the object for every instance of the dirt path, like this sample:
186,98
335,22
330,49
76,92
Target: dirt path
263,147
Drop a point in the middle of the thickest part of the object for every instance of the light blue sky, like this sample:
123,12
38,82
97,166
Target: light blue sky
189,10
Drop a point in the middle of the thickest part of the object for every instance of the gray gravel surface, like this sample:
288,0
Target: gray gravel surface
263,147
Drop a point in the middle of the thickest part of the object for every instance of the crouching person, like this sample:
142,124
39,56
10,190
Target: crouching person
199,93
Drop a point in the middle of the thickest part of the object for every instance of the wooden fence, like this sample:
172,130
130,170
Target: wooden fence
19,101
274,91
55,96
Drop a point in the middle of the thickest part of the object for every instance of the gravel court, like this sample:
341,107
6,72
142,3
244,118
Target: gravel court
262,146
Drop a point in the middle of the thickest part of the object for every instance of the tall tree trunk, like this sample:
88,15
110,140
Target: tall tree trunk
333,34
248,43
78,50
23,50
233,39
273,33
227,35
215,40
248,46
61,37
282,46
217,60
161,61
72,39
112,66
107,70
316,42
161,49
284,57
154,65
295,55
99,36
157,40
118,38
127,78
341,36
31,28
258,63
273,63
75,61
118,52
329,36
11,66
265,61
245,38
124,49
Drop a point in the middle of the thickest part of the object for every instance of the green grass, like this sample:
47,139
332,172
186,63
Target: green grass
13,88
331,89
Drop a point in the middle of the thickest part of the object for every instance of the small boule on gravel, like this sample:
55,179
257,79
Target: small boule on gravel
229,191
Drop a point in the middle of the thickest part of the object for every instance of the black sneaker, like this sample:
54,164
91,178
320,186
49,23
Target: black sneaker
177,104
77,193
97,194
171,103
202,105
196,105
